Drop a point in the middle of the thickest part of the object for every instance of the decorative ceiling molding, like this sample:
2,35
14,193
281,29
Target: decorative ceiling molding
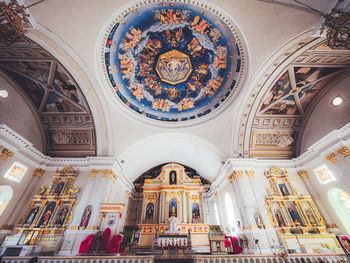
59,102
287,90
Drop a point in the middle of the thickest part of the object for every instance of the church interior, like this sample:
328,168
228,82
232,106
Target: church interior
175,131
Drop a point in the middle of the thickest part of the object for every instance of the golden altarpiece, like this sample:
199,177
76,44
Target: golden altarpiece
295,216
173,196
49,213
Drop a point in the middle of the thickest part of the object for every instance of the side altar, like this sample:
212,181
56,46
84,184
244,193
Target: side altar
42,226
173,195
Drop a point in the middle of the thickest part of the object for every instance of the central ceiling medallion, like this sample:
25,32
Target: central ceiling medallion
173,62
174,67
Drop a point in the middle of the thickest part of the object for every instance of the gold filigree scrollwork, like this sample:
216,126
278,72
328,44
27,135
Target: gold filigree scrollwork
93,173
332,158
5,154
303,174
38,172
128,194
344,151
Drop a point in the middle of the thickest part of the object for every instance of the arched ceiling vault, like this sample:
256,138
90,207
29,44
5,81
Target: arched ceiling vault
286,93
64,113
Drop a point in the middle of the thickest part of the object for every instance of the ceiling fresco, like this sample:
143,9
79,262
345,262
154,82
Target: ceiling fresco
65,117
172,61
288,97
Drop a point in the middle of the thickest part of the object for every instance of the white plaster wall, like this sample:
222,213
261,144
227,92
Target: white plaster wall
326,117
17,113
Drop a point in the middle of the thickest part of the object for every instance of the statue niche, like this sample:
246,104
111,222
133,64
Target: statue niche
149,211
172,177
31,215
173,207
45,218
86,217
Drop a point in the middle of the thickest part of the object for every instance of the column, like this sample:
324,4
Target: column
184,207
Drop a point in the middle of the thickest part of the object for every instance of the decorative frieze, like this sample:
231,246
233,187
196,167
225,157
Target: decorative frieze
344,151
5,154
38,172
332,158
303,174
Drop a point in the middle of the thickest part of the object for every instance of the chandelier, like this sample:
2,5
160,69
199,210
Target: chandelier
13,21
337,25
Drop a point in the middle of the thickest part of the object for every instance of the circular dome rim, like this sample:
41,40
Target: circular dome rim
103,75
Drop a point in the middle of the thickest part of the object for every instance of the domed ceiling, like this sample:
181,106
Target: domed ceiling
173,62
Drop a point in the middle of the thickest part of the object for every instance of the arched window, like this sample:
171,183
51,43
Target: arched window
345,200
216,214
340,201
6,193
231,218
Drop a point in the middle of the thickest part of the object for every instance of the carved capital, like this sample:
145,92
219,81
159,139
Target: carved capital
250,174
303,174
344,151
38,172
127,194
236,174
5,154
93,173
110,174
332,158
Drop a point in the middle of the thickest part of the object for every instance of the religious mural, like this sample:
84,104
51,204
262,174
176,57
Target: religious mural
172,62
55,96
287,97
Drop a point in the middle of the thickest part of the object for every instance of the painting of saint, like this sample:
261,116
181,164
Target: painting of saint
45,218
195,211
149,211
86,216
31,215
172,177
173,207
283,189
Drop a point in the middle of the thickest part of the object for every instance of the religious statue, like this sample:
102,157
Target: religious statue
149,211
46,216
61,216
284,189
294,216
86,216
59,188
279,218
172,207
172,177
310,217
31,215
